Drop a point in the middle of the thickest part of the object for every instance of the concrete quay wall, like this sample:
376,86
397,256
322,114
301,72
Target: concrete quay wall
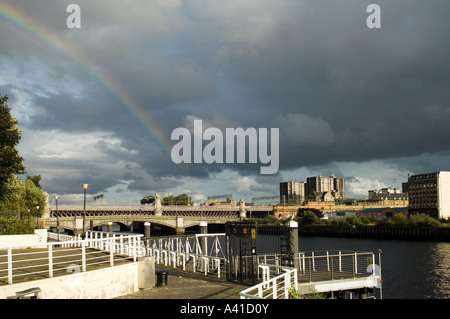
391,232
39,236
105,283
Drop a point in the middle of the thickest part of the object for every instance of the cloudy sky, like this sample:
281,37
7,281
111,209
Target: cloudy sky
98,104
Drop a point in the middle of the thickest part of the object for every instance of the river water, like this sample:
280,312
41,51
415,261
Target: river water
410,269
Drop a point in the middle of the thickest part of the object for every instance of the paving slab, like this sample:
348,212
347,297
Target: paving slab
188,285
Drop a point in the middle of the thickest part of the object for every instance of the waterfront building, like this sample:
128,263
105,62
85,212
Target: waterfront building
387,193
382,212
430,193
292,192
317,188
325,188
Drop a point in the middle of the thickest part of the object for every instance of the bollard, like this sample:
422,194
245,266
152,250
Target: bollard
162,278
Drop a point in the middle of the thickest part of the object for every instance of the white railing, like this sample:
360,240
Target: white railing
330,265
275,287
31,262
203,251
315,266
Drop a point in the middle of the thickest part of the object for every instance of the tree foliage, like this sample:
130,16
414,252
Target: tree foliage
308,218
19,199
423,220
22,199
9,226
182,199
10,161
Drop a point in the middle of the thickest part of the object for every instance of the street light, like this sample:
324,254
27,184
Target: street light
37,214
57,215
85,186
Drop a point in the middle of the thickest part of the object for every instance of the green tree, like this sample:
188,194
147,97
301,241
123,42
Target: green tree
400,219
36,180
423,220
22,199
35,198
12,203
182,199
353,220
10,161
308,218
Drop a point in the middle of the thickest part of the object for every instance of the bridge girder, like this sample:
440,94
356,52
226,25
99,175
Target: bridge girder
76,223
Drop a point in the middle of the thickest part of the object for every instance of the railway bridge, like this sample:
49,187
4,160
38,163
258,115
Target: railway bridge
77,217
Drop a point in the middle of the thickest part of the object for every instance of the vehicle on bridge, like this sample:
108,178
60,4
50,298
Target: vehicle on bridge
148,200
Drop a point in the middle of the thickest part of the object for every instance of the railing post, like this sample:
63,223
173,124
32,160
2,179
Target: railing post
309,269
332,268
83,256
287,282
50,261
295,278
328,260
313,262
217,261
274,290
10,277
111,252
134,248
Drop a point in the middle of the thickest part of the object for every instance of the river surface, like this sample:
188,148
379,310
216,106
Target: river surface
410,269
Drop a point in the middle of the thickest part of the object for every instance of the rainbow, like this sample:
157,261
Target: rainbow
38,33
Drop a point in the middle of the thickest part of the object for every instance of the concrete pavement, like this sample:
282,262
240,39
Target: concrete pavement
188,285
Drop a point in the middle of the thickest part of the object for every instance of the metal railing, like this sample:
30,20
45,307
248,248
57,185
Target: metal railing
202,252
332,265
124,208
314,266
46,260
273,286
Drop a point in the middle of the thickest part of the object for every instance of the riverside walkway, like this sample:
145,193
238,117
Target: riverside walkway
188,285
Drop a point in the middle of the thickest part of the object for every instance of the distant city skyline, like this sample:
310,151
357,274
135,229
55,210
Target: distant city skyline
97,104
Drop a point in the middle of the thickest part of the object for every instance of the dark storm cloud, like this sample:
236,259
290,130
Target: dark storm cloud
337,90
364,92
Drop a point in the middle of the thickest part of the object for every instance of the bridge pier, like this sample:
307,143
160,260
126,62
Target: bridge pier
179,226
78,226
158,209
242,211
147,226
203,230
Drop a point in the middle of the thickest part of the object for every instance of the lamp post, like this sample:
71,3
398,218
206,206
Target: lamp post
57,216
37,214
85,186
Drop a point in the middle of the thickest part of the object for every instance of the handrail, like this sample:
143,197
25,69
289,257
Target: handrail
178,251
274,288
43,259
